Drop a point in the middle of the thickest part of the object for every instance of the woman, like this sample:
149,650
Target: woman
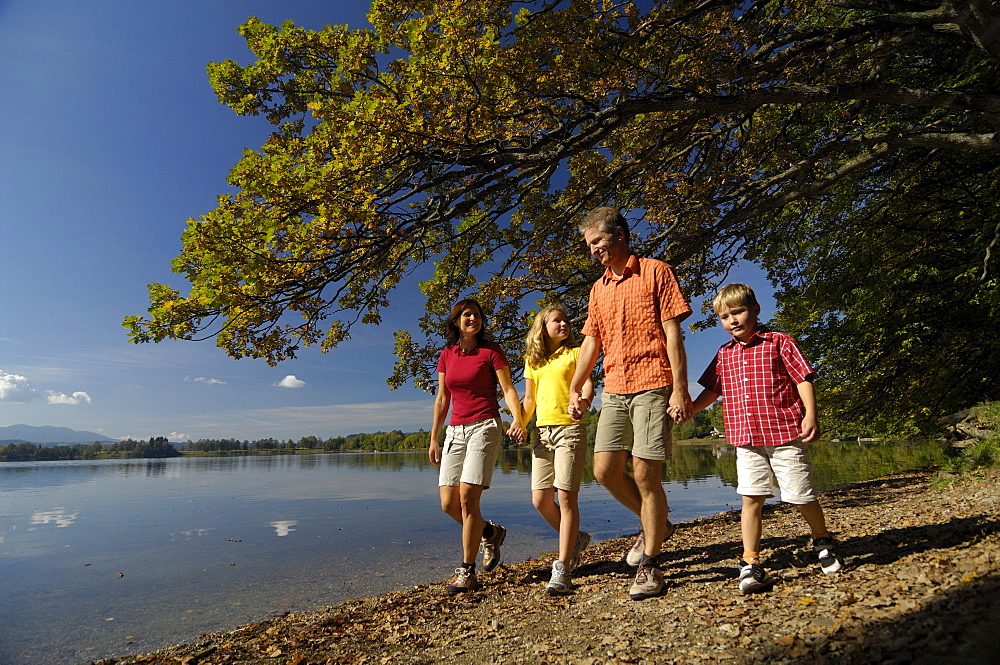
469,370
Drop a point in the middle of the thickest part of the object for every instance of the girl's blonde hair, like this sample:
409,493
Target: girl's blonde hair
535,349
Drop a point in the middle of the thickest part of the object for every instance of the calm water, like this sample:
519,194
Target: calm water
125,556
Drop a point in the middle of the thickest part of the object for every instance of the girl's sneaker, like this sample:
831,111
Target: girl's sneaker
560,582
753,577
826,551
582,541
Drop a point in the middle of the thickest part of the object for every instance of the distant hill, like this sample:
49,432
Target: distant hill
48,435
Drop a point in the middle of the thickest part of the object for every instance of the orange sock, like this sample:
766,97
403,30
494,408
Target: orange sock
751,557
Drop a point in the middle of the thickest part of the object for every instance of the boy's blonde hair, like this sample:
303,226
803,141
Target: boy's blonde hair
734,295
535,350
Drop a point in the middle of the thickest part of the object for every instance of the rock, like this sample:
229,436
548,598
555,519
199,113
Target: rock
967,427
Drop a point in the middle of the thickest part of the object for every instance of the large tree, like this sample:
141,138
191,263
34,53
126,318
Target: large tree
848,148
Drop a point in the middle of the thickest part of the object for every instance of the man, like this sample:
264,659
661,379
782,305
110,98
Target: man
634,316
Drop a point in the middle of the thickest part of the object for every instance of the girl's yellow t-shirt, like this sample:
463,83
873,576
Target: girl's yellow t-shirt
552,386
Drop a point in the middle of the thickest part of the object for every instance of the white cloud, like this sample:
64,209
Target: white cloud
177,436
209,381
291,381
15,388
72,400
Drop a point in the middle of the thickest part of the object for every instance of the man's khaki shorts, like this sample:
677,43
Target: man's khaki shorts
636,423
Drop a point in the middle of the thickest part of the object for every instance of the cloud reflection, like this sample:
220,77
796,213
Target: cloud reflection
284,527
59,516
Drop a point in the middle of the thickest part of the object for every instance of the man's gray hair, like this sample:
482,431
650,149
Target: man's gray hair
606,218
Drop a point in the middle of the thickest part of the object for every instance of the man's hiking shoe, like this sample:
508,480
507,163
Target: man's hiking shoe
753,578
634,556
465,580
582,541
826,551
559,582
648,582
491,547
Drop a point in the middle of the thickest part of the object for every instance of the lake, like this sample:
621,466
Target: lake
114,557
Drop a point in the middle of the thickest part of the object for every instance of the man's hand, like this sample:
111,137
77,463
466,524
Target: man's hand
680,405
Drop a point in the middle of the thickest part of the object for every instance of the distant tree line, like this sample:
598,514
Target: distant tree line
156,447
702,425
377,442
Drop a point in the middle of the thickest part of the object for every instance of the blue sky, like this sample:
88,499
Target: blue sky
113,138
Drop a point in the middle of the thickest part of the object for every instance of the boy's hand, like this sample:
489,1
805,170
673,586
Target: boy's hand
810,429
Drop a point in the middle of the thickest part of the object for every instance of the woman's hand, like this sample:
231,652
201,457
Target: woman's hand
434,453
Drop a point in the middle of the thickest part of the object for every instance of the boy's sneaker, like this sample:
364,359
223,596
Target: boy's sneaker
491,547
465,580
753,577
559,582
634,556
582,541
826,551
648,582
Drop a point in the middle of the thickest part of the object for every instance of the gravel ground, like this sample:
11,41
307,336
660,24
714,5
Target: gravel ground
921,585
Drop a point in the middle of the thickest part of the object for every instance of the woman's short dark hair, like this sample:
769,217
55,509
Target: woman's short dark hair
452,334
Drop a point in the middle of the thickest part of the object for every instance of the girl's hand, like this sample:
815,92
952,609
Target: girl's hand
434,453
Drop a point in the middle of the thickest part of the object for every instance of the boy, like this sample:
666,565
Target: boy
769,410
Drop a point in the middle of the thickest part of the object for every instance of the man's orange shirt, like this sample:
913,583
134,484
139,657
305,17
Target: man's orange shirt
626,314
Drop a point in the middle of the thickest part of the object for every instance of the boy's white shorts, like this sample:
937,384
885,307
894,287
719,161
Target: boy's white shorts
757,468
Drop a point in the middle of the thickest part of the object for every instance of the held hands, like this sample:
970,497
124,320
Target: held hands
518,434
680,407
578,406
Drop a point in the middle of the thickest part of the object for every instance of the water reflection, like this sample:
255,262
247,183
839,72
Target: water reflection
59,516
284,527
153,540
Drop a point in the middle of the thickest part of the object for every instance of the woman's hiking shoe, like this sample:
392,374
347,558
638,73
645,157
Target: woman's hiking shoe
634,556
753,578
582,541
491,547
465,580
559,582
826,551
648,582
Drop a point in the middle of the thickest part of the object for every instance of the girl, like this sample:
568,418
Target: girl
469,370
559,456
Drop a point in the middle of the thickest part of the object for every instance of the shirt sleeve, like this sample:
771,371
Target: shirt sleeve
591,328
498,358
672,301
710,379
795,361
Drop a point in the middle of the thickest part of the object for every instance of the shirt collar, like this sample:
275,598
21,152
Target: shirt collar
631,267
759,335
